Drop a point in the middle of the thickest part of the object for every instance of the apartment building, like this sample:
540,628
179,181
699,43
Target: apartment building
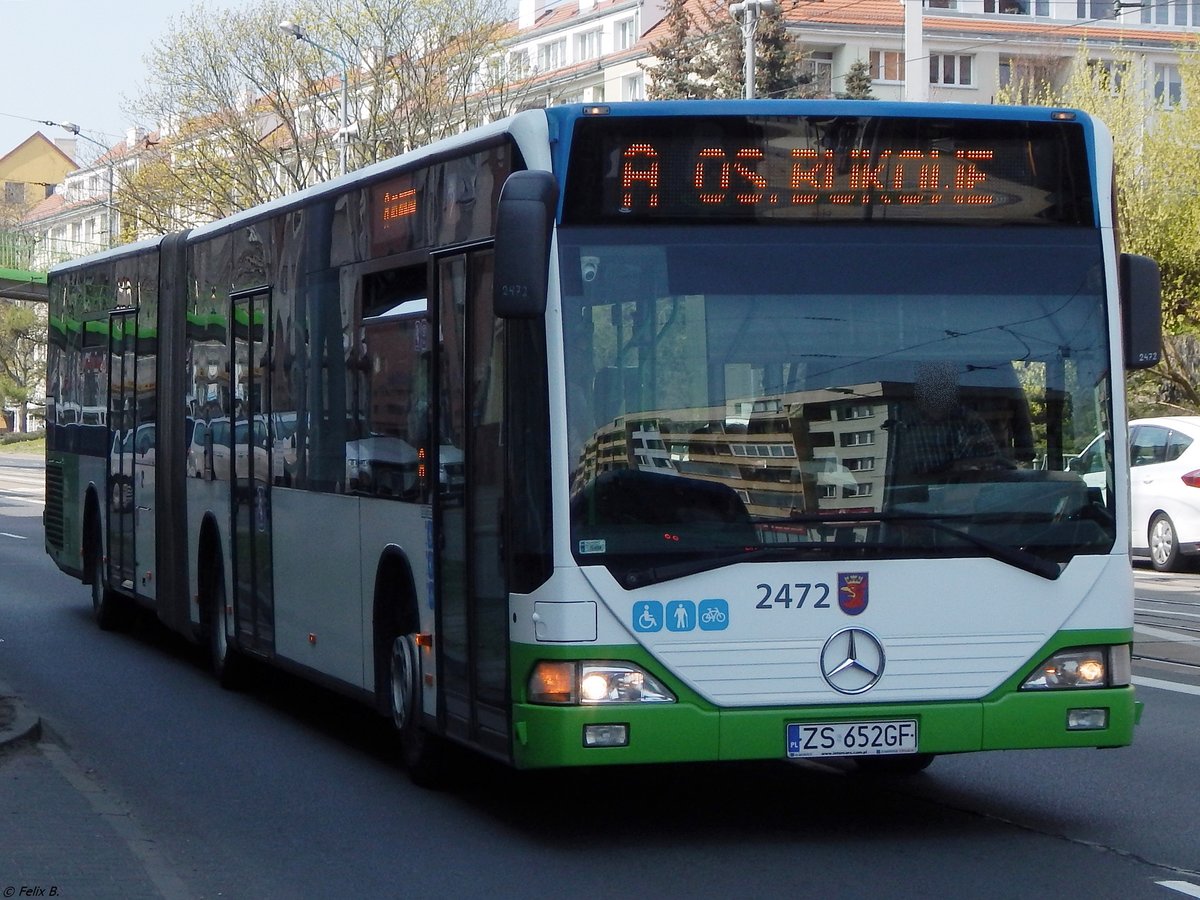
82,215
941,50
598,51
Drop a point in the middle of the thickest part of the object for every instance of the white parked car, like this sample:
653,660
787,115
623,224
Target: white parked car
1164,475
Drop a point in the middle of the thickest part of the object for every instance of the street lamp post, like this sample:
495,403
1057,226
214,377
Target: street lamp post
747,11
344,132
74,129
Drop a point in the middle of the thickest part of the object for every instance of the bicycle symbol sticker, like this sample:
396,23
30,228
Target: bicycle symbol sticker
714,615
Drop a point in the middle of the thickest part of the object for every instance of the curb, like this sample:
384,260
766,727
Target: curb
24,724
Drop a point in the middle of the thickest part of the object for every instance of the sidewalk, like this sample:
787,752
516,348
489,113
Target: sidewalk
61,832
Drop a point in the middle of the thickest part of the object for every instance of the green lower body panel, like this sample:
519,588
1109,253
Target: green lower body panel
553,736
692,730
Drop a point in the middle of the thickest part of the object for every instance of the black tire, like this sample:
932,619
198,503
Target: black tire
424,754
107,607
1164,544
227,664
905,764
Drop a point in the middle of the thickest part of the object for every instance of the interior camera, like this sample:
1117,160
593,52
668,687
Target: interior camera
589,266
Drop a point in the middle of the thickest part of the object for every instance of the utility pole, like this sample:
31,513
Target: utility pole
748,12
344,131
110,164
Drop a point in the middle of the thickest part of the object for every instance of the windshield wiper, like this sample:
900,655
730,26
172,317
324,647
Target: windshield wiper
654,574
1017,557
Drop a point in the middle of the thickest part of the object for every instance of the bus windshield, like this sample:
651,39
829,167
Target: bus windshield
792,391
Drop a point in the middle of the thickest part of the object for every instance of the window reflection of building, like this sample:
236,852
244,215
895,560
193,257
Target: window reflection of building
799,452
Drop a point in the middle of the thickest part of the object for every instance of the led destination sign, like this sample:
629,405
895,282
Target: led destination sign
857,168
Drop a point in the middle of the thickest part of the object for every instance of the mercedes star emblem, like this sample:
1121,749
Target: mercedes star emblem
852,661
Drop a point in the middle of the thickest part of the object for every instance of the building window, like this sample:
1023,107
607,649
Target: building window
857,411
625,34
552,55
1017,7
1094,9
518,63
1171,12
856,490
14,192
587,45
633,87
816,70
1157,12
858,438
950,68
887,65
1168,86
1108,75
860,464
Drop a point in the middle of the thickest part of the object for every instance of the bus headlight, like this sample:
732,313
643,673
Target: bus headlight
593,682
1078,668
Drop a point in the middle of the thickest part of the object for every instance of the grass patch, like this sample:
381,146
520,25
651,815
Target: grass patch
31,444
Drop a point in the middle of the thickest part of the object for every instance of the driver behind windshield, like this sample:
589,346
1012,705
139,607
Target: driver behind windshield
934,434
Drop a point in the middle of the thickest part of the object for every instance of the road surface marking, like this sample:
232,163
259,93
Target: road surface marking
1167,686
1184,887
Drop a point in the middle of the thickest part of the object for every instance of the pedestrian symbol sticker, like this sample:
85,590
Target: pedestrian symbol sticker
647,616
681,615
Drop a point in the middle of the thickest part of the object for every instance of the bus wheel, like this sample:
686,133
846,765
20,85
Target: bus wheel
106,604
420,751
903,764
226,664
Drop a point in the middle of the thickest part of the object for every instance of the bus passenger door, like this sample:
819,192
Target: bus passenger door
122,430
250,471
472,585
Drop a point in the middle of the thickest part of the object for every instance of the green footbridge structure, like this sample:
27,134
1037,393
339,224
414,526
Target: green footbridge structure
18,281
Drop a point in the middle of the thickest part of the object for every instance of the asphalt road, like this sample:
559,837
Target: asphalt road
284,791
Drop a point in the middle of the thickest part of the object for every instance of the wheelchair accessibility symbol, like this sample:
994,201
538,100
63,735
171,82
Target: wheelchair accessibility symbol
647,616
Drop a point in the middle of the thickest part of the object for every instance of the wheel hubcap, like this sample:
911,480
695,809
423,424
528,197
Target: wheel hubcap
1162,540
403,681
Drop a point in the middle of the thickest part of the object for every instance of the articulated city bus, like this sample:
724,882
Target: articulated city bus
637,433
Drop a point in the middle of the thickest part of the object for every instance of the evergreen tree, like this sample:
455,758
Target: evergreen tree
676,76
858,82
702,56
777,66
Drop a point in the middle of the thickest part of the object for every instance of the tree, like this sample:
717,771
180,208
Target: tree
702,55
247,113
1158,198
22,357
858,81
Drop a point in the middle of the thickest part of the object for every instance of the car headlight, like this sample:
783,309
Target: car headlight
593,682
1086,667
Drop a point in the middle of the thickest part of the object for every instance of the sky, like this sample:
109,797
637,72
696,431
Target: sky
78,61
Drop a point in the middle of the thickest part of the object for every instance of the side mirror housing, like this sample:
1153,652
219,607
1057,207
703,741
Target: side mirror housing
1140,284
524,226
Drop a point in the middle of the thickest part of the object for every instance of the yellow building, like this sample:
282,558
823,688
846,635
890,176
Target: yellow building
30,172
